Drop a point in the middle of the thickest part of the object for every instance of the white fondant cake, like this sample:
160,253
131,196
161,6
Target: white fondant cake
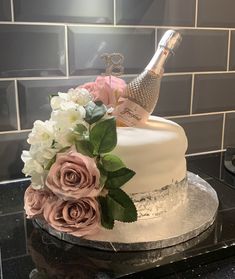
155,151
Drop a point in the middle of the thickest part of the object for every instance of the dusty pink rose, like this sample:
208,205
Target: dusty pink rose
73,176
34,201
106,89
78,217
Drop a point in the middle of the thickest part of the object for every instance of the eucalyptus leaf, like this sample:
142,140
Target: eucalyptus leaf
107,220
103,136
121,206
112,162
94,112
85,147
118,178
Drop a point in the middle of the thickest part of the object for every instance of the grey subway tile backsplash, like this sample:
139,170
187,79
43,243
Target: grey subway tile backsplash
34,97
175,96
77,11
52,45
216,13
86,44
204,132
232,52
156,12
200,50
31,50
229,130
214,93
8,117
11,146
5,10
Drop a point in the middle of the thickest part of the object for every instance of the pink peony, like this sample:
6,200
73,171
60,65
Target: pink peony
34,201
106,89
78,217
73,176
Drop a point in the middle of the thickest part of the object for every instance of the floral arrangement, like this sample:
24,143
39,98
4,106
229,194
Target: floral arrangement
75,179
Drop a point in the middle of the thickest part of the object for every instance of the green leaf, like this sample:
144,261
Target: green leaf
112,162
52,161
118,178
103,136
103,174
85,147
107,220
94,112
80,129
121,206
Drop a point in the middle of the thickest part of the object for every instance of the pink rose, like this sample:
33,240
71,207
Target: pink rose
106,89
73,176
34,201
78,217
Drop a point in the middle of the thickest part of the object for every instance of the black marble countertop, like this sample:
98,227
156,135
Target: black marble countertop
28,252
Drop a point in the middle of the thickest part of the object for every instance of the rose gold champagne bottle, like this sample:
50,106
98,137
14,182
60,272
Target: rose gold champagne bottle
141,94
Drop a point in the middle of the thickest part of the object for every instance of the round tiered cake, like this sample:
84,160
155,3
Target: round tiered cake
113,188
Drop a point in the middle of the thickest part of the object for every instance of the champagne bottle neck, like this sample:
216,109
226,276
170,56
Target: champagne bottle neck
169,42
156,65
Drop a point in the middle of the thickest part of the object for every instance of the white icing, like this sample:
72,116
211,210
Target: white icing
155,151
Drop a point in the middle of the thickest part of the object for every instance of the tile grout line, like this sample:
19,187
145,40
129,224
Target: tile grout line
16,257
17,106
155,43
16,180
12,213
223,129
112,25
114,13
204,152
66,50
192,93
199,73
199,114
1,274
12,12
228,50
15,131
196,13
87,76
25,234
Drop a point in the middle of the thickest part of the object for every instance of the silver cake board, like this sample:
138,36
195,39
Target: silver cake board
186,222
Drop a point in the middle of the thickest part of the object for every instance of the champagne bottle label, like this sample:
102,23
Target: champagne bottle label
131,113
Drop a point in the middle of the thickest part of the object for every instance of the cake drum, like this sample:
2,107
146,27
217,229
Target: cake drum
186,222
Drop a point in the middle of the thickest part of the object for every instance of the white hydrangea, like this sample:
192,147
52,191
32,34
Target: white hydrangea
75,97
48,137
42,133
80,96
